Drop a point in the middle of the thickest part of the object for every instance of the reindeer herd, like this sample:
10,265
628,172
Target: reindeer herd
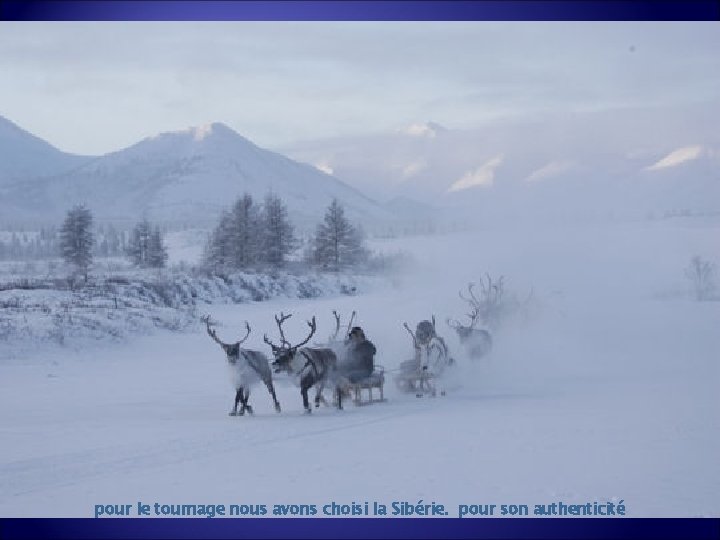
321,367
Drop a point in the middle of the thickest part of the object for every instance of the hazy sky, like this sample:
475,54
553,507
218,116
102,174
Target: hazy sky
97,87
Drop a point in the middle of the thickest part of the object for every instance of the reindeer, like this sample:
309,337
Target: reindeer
478,341
246,367
431,359
313,366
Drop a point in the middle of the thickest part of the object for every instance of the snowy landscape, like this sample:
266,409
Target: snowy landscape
603,388
603,227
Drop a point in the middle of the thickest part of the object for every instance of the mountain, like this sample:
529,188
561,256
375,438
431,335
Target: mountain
424,129
187,176
619,163
23,155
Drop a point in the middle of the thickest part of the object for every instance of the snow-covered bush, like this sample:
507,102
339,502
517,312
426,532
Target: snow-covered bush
701,274
45,310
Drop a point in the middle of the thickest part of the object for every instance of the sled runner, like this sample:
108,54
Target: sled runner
376,380
413,380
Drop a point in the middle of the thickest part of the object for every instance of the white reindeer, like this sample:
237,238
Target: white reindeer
247,368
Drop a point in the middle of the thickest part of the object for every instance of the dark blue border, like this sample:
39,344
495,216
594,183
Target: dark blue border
348,529
360,10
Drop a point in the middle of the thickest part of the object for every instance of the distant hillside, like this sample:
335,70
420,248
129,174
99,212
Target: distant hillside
187,176
23,155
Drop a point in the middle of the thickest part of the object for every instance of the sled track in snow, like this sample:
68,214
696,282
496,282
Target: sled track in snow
21,477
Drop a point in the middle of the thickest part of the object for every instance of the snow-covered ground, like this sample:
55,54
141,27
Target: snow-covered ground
603,387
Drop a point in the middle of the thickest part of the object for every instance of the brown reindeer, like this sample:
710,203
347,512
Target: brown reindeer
312,366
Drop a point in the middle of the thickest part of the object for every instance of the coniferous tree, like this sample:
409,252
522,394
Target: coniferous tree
244,233
337,243
157,251
113,241
278,235
217,250
138,249
146,248
236,242
76,239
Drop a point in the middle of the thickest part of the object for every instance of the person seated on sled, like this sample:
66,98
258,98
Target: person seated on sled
359,356
431,354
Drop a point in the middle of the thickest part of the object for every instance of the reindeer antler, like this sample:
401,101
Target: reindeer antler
411,335
247,325
488,300
286,344
209,323
279,323
334,336
473,315
349,326
313,327
492,291
266,340
211,332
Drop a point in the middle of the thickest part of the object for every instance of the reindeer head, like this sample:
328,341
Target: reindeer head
463,331
232,350
285,353
482,305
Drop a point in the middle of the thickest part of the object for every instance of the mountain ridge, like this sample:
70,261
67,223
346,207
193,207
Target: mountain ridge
25,155
188,175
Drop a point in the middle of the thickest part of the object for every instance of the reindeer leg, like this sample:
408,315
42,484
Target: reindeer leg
318,394
339,391
238,398
271,389
305,384
243,402
247,398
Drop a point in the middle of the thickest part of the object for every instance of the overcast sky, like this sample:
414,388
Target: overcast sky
91,88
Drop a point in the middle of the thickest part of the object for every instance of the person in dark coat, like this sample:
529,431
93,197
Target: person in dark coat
360,356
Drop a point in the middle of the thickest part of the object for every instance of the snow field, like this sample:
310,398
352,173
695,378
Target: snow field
603,388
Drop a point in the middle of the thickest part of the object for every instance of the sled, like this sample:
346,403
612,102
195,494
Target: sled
413,380
354,391
376,380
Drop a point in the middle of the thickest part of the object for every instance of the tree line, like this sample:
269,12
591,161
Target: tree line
45,243
251,236
145,247
248,236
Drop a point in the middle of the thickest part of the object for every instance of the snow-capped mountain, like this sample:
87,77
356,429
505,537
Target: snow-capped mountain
424,129
23,155
187,176
611,163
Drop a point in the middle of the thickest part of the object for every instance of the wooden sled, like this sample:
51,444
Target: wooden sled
376,380
413,380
